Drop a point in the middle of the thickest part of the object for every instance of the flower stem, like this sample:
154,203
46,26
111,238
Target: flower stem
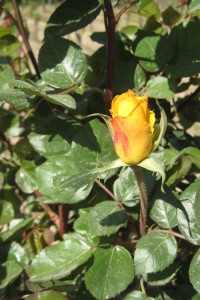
110,18
143,199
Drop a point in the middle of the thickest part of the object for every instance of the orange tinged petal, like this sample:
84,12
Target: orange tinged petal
132,139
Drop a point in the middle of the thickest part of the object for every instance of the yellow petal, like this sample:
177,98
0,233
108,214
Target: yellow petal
132,139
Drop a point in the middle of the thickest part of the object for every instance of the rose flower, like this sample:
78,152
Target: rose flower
132,125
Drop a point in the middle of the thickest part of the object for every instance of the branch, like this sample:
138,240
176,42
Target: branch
110,52
109,192
169,231
123,10
24,37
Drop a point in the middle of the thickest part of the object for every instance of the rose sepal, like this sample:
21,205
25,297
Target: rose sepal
155,165
160,130
104,117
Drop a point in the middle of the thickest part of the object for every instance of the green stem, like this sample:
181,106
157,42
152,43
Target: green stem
143,199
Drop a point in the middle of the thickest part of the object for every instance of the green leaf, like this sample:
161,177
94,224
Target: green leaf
9,271
144,3
139,78
71,16
162,277
25,177
161,88
9,45
188,216
149,8
66,179
194,154
186,40
62,63
59,260
14,252
13,233
111,272
137,295
47,295
193,6
152,50
194,271
154,252
126,188
6,212
171,16
51,137
34,90
6,75
16,98
103,219
163,210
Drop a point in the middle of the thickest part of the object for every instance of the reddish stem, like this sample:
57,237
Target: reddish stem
111,23
109,192
24,37
63,212
169,231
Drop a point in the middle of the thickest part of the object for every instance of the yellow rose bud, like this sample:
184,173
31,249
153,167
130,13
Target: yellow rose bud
132,125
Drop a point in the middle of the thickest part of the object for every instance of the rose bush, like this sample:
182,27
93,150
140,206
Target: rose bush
132,125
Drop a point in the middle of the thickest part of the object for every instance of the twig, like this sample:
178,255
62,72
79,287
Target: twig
143,199
63,212
123,10
110,52
109,192
169,231
24,37
53,216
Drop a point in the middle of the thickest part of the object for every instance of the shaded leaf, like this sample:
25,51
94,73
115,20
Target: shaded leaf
9,271
162,277
126,189
103,219
186,40
62,63
6,212
161,87
152,50
72,15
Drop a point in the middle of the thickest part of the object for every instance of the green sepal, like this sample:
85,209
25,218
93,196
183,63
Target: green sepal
160,130
152,165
